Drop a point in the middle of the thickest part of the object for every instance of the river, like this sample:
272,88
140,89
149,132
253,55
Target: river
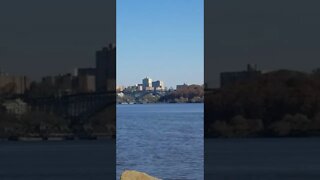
163,140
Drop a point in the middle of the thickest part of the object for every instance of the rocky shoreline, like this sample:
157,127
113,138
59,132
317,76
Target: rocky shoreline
130,175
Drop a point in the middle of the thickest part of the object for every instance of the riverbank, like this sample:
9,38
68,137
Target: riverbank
54,138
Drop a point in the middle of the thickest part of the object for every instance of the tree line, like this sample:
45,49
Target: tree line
280,103
186,94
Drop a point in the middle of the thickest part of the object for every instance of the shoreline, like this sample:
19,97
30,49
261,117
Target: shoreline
161,103
52,138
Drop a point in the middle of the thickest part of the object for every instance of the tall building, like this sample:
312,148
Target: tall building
106,69
86,83
140,87
147,83
85,80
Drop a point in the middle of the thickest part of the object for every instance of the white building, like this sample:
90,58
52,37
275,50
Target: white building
147,83
16,106
158,85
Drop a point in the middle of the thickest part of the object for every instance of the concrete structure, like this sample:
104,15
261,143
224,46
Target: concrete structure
147,83
140,87
85,80
16,84
158,85
86,83
74,107
229,78
106,69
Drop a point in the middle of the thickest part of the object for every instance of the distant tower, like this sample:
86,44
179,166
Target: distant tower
147,83
106,69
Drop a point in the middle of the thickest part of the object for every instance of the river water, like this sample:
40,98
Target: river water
163,140
60,160
263,159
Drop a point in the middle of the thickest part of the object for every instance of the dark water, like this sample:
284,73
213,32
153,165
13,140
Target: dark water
63,160
263,159
164,140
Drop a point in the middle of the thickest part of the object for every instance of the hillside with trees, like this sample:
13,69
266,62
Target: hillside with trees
188,94
281,103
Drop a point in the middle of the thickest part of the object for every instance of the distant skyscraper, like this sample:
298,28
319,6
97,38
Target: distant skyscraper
86,83
147,83
106,69
86,80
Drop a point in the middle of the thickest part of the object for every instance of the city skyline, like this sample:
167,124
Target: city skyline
161,39
154,80
100,78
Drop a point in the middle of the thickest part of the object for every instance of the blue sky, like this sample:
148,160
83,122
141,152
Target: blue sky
162,39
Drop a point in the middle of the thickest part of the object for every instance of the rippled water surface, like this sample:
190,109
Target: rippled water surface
61,160
263,159
164,140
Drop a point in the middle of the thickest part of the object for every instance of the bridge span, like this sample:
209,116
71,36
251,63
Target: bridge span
74,107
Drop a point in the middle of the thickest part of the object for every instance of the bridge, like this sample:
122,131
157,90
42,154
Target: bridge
74,107
139,94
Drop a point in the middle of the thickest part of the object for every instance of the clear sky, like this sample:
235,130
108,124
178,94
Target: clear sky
40,38
162,39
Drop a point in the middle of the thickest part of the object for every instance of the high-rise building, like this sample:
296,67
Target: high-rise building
147,83
106,69
86,83
85,80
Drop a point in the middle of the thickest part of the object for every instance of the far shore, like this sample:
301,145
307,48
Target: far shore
62,138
